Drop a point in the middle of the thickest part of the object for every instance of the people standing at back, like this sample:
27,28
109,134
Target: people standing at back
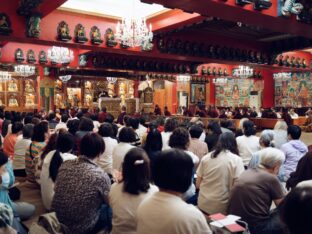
127,195
248,143
294,150
164,211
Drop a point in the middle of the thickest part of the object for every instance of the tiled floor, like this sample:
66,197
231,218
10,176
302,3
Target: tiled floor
31,193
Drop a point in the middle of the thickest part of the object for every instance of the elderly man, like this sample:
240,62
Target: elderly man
254,192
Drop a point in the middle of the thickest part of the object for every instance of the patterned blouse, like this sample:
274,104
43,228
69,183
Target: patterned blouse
81,189
32,158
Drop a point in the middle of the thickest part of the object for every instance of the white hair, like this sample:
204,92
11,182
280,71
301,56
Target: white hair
267,137
281,125
271,157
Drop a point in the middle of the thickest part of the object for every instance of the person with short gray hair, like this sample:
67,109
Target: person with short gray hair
254,192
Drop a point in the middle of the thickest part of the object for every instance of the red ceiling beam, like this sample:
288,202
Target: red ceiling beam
230,11
47,6
173,19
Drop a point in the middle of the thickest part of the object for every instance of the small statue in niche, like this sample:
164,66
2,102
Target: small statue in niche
262,4
31,56
12,86
42,57
63,32
110,38
95,35
19,55
33,26
88,100
29,100
13,101
83,60
291,7
5,24
80,34
29,87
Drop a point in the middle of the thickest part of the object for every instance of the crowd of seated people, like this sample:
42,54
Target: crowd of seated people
165,176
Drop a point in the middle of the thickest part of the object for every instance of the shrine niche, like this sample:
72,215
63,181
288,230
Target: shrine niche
95,35
148,97
5,25
63,32
42,57
19,55
33,26
31,56
110,38
80,34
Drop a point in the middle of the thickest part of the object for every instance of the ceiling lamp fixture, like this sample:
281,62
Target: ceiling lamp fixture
60,55
112,80
25,70
243,72
133,31
5,76
66,78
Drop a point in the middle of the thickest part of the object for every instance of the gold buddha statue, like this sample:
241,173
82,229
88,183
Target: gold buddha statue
88,100
12,86
30,100
29,87
13,102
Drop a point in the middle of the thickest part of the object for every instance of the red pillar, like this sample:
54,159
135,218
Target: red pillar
136,88
268,89
39,78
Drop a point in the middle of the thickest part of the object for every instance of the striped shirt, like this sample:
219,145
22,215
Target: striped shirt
31,158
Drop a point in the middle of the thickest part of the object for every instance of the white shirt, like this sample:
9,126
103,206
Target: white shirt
19,153
141,131
105,161
218,176
47,185
61,125
192,189
165,136
294,115
305,183
164,213
96,125
119,154
124,206
202,136
247,146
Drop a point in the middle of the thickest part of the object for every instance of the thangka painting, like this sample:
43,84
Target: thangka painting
295,92
235,92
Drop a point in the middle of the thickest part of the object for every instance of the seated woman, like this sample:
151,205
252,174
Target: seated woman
216,175
135,187
51,164
106,159
248,143
303,173
165,211
153,144
22,209
38,142
81,190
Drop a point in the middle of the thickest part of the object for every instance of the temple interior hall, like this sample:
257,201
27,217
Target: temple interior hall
156,116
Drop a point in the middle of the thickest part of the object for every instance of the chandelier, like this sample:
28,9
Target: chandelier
25,70
243,72
60,55
112,80
5,76
133,31
66,78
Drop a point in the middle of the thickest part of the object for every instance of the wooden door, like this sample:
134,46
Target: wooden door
160,98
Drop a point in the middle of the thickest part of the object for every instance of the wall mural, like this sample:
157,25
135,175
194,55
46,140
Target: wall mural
236,92
294,91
